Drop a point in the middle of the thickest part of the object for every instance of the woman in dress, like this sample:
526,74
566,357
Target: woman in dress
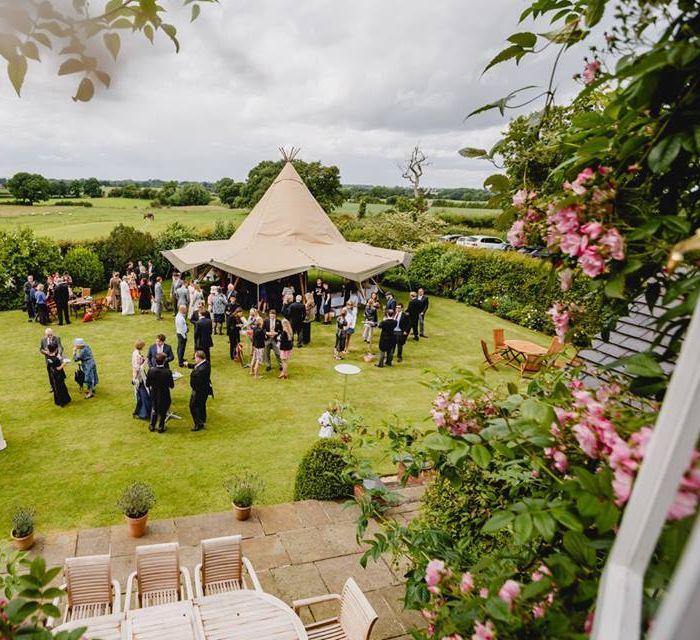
309,317
259,336
56,367
234,321
145,296
83,354
286,345
340,325
42,307
133,286
138,379
195,298
370,321
327,308
127,302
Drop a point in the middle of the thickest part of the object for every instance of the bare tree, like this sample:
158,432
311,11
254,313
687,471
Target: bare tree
412,169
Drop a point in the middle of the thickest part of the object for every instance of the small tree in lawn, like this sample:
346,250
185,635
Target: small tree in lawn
75,188
28,188
92,188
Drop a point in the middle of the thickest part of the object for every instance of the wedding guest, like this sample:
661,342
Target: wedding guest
234,323
158,297
258,341
115,291
414,310
196,300
29,297
144,296
310,314
138,379
387,339
127,302
160,346
273,328
181,332
57,374
83,354
326,302
176,284
42,308
370,320
390,304
50,340
286,345
197,313
202,334
61,295
133,286
296,315
340,324
200,383
318,298
182,295
401,331
159,381
351,320
218,306
425,303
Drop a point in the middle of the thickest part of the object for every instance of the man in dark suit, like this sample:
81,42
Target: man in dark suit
273,329
297,312
387,339
425,302
403,326
414,310
60,294
390,302
200,383
203,330
160,347
159,381
28,298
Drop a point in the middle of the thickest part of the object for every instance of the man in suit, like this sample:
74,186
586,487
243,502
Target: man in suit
160,347
203,330
177,283
425,302
182,296
181,331
403,326
60,294
414,310
158,297
159,381
273,329
28,298
296,314
200,383
115,291
390,302
47,342
387,339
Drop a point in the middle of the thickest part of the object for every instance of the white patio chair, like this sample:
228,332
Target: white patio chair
221,568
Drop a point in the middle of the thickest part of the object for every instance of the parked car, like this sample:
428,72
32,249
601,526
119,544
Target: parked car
534,252
484,242
450,238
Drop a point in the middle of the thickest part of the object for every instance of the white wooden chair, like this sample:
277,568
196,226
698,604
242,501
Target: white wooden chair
91,591
355,621
159,577
221,568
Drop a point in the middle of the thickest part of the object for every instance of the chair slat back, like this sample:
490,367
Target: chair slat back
555,347
499,339
88,580
158,567
487,355
221,559
532,364
357,617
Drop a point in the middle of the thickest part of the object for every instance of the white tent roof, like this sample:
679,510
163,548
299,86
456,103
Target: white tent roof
286,233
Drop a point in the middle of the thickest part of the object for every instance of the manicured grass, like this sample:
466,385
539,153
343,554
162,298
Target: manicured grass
81,223
71,463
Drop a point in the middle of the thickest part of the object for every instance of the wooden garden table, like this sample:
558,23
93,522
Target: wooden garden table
526,348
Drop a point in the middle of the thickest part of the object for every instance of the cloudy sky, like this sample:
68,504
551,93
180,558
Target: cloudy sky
356,83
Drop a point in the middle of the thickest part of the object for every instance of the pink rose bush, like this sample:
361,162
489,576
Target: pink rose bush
459,414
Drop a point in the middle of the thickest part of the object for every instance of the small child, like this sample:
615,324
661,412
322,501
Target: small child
329,420
341,324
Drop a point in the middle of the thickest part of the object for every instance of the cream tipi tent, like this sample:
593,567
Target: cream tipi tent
287,233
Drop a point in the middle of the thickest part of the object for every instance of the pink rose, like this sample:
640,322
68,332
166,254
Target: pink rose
572,244
433,574
592,264
615,243
588,625
520,198
560,461
587,440
593,230
590,71
509,592
683,506
516,235
538,611
484,631
565,220
585,175
467,583
483,592
622,486
566,279
438,418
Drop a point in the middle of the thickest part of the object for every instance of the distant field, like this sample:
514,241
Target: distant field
81,223
62,222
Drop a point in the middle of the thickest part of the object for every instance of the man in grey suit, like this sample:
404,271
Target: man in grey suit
158,297
177,283
50,340
182,296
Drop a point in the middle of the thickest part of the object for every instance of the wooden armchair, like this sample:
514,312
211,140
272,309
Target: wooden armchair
159,577
533,364
99,306
90,589
490,359
221,568
354,622
499,340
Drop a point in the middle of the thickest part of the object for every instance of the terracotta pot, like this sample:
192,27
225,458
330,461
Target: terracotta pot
422,477
358,490
242,513
22,544
137,526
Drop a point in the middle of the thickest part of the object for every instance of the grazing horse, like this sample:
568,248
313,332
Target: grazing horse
148,216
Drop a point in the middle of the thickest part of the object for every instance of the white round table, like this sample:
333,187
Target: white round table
347,370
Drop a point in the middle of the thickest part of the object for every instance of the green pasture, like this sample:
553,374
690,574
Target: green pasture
71,463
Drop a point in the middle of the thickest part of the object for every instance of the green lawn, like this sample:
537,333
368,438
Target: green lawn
71,463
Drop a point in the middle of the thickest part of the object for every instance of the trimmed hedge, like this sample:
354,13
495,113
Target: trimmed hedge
85,268
320,472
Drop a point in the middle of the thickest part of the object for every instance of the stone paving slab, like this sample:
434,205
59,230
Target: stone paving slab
298,549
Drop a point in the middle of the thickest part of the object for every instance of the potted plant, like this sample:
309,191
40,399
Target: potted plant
23,528
242,489
136,501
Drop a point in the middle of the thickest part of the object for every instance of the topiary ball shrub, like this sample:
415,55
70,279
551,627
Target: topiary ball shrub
320,472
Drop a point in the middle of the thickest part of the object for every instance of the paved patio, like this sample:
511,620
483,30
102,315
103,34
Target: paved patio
298,549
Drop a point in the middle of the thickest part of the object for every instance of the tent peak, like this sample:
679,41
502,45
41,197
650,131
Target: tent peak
290,155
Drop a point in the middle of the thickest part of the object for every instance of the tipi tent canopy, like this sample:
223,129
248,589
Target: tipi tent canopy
286,233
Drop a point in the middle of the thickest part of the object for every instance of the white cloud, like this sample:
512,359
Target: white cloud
354,83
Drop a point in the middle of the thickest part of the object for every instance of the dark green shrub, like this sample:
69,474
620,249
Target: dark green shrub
125,244
84,267
320,472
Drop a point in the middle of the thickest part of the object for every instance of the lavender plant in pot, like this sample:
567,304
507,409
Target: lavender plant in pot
23,527
136,501
243,489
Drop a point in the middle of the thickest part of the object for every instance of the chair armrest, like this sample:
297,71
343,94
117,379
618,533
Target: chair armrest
117,598
252,574
307,602
187,595
129,594
198,589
